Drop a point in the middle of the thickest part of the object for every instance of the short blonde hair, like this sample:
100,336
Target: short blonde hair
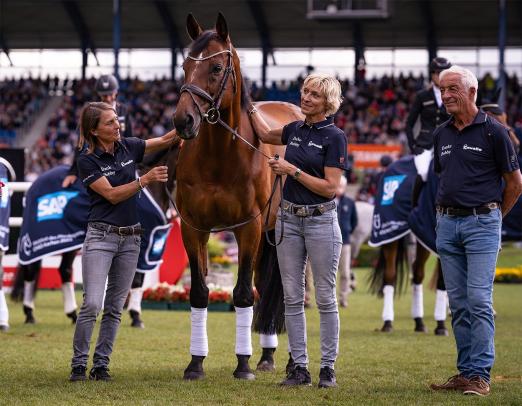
330,87
467,78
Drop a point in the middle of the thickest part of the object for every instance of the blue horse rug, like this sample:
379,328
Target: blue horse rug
5,210
393,202
55,221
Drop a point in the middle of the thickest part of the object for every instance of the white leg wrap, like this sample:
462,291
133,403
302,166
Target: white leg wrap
29,294
268,340
69,300
417,303
441,298
422,163
244,316
4,311
387,310
198,332
135,299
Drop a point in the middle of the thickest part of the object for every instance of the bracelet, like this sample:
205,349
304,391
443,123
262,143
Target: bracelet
297,173
252,111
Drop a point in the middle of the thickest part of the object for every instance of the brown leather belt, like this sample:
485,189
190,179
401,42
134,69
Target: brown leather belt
301,210
467,211
128,230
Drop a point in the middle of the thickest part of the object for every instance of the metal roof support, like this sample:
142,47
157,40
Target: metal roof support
5,48
116,35
431,34
72,9
358,45
501,50
170,27
259,16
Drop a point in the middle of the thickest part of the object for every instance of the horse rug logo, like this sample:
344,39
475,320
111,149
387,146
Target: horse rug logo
4,193
52,205
159,243
391,184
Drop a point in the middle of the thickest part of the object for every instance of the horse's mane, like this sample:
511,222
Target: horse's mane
200,43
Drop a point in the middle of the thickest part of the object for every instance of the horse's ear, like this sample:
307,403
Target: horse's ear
193,28
221,27
496,96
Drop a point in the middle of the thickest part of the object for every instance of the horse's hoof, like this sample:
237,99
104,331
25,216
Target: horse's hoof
441,332
29,318
419,326
194,370
136,319
4,328
243,370
265,366
290,364
387,327
246,375
73,316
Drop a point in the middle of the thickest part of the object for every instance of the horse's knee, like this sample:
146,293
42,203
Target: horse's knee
199,297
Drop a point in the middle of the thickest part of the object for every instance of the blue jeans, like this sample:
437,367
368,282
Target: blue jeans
318,237
468,249
105,257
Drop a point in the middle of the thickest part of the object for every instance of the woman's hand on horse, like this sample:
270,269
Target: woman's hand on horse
281,167
156,174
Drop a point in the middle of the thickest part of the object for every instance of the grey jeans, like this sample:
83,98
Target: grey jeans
319,238
105,257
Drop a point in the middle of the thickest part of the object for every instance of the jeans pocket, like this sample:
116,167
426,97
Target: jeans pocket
137,239
488,221
96,235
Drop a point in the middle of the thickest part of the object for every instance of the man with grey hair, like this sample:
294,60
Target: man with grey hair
472,154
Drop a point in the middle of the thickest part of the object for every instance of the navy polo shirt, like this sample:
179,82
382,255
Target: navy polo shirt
119,169
471,162
311,148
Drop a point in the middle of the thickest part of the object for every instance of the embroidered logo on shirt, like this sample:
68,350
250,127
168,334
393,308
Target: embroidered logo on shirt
126,163
446,150
466,146
105,168
312,144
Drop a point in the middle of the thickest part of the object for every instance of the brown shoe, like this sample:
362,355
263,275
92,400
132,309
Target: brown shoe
477,386
456,382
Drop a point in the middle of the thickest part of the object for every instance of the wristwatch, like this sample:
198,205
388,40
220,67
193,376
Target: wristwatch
297,173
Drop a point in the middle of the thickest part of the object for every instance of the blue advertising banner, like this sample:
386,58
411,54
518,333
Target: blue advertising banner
393,202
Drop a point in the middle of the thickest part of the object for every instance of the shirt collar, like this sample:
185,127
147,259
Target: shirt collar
320,124
480,118
99,152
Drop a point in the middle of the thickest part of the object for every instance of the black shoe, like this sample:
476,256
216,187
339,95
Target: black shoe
78,374
99,374
298,376
327,378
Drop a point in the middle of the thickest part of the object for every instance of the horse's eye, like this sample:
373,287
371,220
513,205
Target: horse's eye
217,69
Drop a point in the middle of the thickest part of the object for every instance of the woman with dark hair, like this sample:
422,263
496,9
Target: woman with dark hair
107,168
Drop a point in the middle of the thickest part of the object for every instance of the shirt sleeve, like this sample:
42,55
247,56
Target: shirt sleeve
505,156
336,153
136,147
286,134
88,170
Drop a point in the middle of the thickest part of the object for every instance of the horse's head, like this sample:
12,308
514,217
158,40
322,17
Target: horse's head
212,80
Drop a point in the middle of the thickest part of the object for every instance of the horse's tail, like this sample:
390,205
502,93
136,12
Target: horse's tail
22,272
269,312
376,277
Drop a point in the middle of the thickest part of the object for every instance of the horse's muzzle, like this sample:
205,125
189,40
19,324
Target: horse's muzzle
187,126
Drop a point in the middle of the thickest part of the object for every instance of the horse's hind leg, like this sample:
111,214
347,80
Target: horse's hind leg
441,300
389,279
31,273
196,245
417,304
4,311
248,238
135,296
69,299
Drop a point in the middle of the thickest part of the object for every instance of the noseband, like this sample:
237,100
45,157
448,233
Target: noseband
212,115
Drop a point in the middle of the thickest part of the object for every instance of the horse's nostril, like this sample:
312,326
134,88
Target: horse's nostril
189,121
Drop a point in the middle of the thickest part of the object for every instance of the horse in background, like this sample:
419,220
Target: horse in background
224,182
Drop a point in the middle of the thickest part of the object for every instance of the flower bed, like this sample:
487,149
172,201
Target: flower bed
173,297
509,275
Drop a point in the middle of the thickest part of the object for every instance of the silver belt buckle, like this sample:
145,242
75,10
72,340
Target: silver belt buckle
492,205
301,212
120,230
286,206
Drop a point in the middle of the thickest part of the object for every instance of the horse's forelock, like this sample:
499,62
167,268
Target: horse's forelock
201,42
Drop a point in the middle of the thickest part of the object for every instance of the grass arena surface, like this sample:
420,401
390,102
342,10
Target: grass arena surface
147,365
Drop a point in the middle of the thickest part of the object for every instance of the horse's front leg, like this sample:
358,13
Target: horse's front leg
441,300
417,303
389,279
248,238
196,245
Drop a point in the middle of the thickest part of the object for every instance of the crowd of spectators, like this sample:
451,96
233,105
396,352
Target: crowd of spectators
373,111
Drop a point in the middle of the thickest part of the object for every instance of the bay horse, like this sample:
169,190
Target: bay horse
224,182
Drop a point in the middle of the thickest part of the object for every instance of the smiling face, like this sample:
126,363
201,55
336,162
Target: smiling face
108,130
455,96
313,103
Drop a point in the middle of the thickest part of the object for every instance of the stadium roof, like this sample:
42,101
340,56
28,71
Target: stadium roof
57,24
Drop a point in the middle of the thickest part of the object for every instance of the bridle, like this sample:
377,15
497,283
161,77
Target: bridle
212,115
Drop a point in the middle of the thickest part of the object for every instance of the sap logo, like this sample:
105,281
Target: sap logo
51,206
159,244
391,184
4,194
